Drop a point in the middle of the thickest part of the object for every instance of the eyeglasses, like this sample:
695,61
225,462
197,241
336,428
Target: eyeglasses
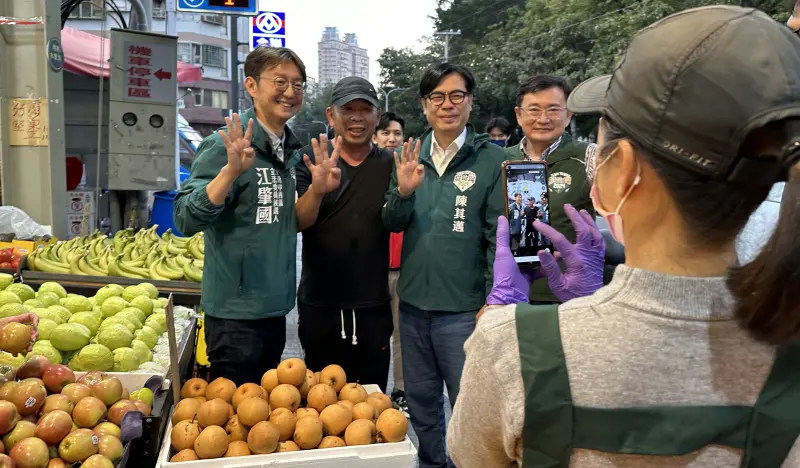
282,84
553,113
437,98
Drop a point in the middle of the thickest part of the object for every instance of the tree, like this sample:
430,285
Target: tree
315,102
505,41
402,68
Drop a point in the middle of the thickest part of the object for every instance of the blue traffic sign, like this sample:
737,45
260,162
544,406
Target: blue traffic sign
55,55
268,29
220,7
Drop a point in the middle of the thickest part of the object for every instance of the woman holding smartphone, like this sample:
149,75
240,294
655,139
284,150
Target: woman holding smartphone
688,358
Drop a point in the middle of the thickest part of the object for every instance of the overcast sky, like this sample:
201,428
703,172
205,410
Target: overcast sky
391,23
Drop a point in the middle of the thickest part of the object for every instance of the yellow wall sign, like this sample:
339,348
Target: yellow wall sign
29,122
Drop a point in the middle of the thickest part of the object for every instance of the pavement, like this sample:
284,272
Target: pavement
294,349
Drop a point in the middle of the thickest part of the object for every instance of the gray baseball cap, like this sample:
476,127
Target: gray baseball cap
692,86
352,88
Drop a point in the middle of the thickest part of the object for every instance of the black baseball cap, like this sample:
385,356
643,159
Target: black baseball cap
352,88
693,85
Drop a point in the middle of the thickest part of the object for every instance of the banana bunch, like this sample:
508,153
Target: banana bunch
140,255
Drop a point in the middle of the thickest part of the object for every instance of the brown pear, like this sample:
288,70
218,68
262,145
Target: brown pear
220,388
246,391
184,434
237,448
332,442
360,432
285,421
292,372
285,396
213,413
270,380
252,411
392,426
302,412
380,401
211,443
365,411
335,419
288,446
334,376
185,410
235,430
185,455
353,392
263,438
321,396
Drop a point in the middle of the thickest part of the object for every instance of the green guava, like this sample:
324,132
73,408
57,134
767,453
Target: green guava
132,291
53,287
87,319
70,337
12,310
75,303
152,291
115,336
8,297
47,298
96,357
145,304
62,311
147,335
125,360
113,305
46,327
142,350
23,291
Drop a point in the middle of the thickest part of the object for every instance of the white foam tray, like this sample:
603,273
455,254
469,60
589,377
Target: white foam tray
396,455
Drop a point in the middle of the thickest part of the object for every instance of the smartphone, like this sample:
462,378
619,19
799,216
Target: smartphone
527,200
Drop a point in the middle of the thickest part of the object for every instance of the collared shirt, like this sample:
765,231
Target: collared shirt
275,141
546,152
442,157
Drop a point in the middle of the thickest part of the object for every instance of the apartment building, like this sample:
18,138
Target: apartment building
340,57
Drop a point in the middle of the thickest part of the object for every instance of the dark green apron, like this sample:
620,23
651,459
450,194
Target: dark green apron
554,426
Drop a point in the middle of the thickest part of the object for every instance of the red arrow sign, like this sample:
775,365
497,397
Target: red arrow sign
162,75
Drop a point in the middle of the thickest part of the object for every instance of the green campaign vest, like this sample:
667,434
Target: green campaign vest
554,426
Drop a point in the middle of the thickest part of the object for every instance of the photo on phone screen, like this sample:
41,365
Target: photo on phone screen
527,201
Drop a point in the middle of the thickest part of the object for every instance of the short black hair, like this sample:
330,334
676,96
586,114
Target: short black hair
500,123
538,83
387,118
517,195
435,75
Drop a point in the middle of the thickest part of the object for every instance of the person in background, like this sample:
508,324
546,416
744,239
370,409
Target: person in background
794,20
241,194
543,116
691,336
446,194
389,132
343,301
499,130
515,212
389,135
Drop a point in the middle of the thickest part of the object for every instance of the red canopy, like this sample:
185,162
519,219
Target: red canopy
82,55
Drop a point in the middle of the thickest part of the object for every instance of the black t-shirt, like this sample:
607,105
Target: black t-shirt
346,252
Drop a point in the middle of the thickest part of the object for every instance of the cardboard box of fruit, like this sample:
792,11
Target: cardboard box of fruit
291,417
51,418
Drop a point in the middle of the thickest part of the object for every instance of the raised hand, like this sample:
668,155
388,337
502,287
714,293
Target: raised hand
237,141
584,260
410,173
325,175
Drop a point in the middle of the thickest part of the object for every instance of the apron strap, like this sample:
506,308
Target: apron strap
547,430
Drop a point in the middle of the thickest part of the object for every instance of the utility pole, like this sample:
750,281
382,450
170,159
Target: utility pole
447,35
234,61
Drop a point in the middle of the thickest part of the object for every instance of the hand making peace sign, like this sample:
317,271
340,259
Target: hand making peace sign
240,154
410,173
325,175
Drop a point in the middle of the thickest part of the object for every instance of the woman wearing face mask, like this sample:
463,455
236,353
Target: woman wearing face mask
688,358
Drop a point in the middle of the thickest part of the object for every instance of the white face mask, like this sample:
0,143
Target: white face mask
614,219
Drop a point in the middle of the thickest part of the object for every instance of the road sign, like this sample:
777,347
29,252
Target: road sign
151,73
268,29
220,7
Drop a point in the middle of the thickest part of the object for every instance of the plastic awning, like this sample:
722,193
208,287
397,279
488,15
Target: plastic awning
83,56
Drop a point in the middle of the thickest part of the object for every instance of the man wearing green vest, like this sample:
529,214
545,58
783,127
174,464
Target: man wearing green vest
688,358
446,194
543,116
241,194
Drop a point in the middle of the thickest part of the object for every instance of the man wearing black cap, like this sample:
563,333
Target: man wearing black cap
343,298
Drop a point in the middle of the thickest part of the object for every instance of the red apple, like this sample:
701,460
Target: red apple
30,453
78,446
7,389
2,447
9,416
143,407
22,430
53,427
108,390
34,366
57,402
76,392
7,462
88,412
126,395
29,396
110,447
92,377
56,463
97,461
107,428
119,409
56,377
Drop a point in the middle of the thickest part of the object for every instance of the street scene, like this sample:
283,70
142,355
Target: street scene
447,233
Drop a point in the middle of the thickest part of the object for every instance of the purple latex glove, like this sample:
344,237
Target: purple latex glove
511,286
584,260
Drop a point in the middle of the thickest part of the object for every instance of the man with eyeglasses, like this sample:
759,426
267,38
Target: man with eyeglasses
542,114
446,194
343,300
241,194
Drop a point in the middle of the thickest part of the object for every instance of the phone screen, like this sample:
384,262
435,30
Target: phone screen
527,201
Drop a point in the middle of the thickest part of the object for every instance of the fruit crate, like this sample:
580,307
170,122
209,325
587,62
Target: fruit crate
394,455
185,293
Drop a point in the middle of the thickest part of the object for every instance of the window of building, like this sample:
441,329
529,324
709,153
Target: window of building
87,10
211,98
189,52
214,56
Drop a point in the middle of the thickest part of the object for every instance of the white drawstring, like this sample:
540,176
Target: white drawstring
344,335
355,338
